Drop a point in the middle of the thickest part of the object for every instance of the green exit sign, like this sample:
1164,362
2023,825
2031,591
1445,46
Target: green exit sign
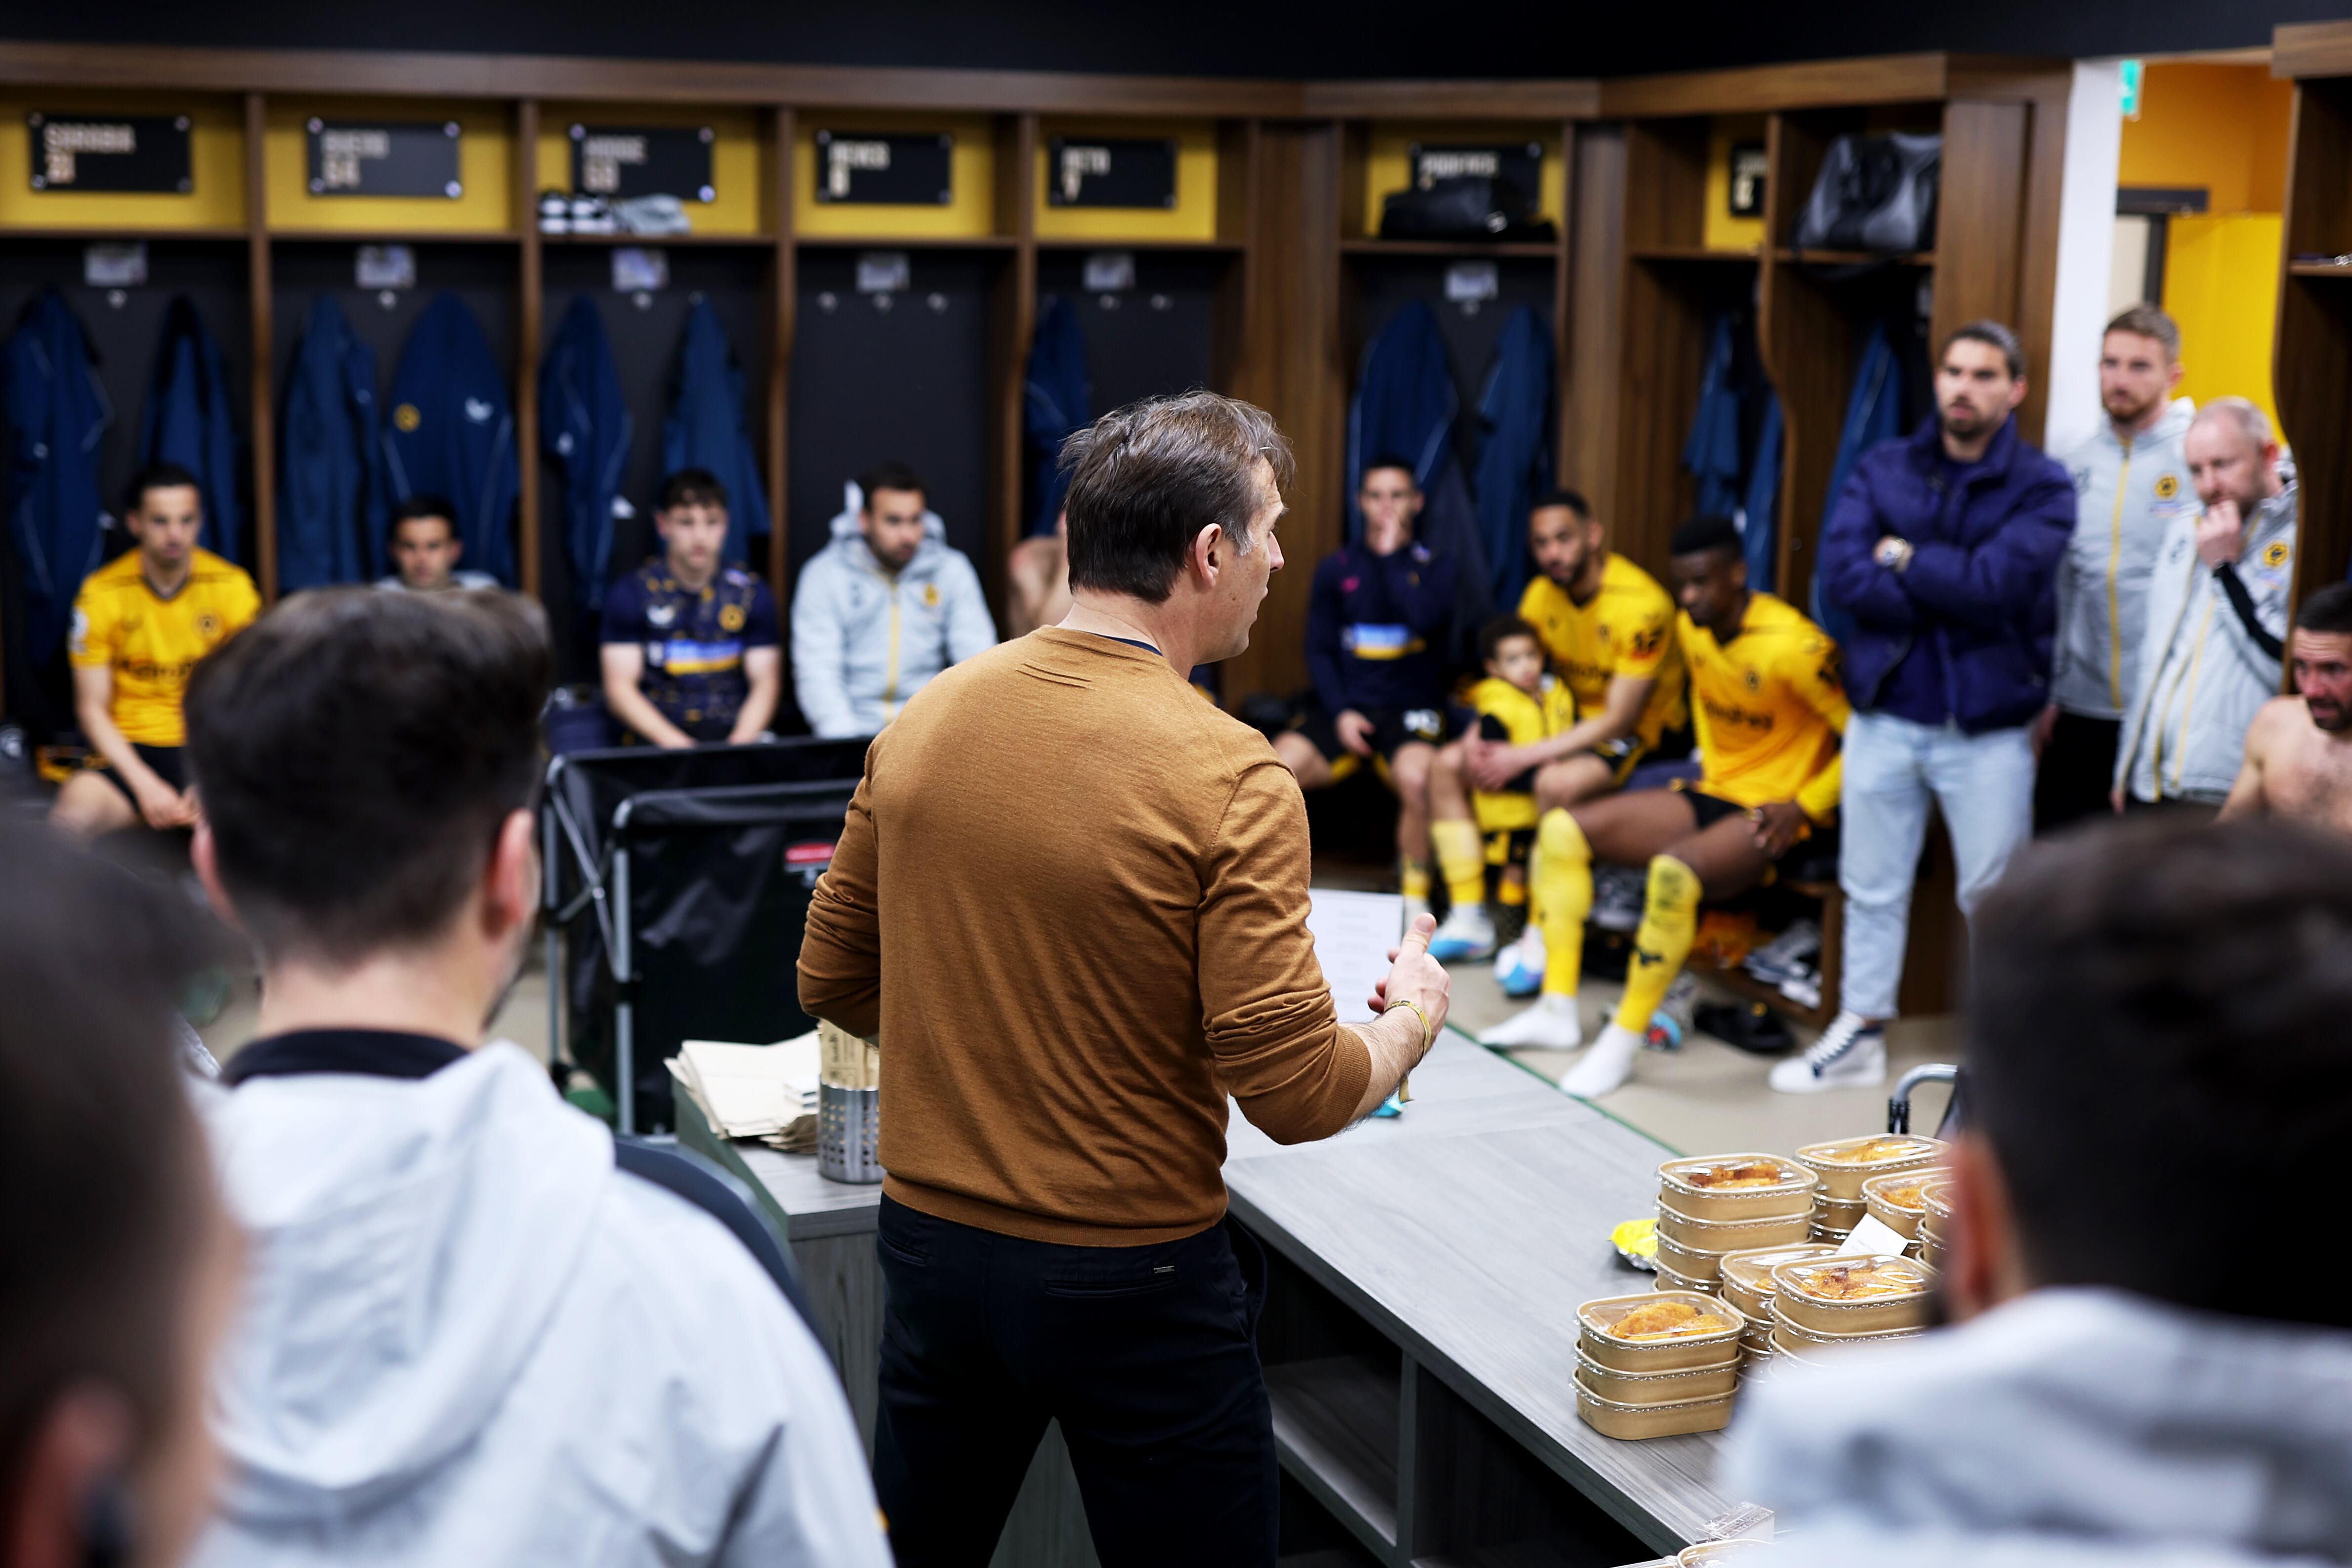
2132,76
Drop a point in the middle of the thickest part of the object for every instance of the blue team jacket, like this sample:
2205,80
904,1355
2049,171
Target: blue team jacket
586,428
451,432
1965,632
330,493
705,427
187,421
1377,628
1514,425
1057,403
57,416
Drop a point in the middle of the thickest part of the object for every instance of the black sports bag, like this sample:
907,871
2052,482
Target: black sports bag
1875,192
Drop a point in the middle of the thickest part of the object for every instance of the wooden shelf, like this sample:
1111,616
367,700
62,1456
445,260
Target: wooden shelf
1335,1426
1471,249
1180,247
390,236
105,235
763,241
1854,258
2317,269
1693,253
889,242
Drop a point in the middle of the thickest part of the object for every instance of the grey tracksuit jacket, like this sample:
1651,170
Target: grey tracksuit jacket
2201,675
2127,496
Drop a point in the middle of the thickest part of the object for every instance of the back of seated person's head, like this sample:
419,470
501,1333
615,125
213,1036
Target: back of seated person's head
116,1265
691,487
2160,1061
360,757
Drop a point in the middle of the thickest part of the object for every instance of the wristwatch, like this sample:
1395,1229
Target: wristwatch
1893,554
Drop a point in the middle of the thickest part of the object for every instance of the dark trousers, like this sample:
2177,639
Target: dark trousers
2076,773
1147,1355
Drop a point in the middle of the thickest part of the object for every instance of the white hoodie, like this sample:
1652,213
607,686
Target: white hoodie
468,1339
2087,1428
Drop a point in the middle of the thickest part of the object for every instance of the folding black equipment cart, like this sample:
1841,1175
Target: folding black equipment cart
676,886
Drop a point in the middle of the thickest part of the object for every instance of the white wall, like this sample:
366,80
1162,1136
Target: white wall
2086,232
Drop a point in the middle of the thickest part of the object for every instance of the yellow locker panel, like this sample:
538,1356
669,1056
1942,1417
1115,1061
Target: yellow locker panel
216,151
1720,230
1388,165
739,164
485,170
1194,216
970,215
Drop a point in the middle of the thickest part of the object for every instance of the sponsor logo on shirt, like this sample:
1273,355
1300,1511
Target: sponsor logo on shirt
2275,553
478,411
2167,486
661,614
731,618
406,417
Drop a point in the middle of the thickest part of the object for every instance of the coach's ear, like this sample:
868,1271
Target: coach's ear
1985,1266
203,855
510,878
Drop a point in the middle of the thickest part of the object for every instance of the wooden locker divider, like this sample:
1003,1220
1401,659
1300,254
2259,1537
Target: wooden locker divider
264,444
2313,356
779,352
532,283
1016,321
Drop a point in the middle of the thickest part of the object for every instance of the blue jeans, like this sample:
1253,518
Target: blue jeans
1983,784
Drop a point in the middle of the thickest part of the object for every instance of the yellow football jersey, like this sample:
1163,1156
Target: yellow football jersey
1525,718
152,642
1767,707
1627,629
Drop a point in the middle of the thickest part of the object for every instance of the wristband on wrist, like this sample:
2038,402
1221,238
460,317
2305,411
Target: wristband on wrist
1427,1034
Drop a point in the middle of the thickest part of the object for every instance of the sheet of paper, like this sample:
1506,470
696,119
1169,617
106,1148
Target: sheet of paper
1353,934
1873,1235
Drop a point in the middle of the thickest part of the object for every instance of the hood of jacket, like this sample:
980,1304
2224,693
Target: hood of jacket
849,543
2070,1425
411,1239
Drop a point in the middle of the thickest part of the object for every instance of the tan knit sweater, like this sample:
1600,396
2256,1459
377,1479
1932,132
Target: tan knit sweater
1072,897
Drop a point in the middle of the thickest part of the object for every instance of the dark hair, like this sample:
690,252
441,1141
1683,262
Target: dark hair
1500,629
158,477
890,477
356,753
419,506
2148,321
690,487
1389,460
1700,533
1146,479
2158,1055
99,1151
1991,332
2327,609
1573,500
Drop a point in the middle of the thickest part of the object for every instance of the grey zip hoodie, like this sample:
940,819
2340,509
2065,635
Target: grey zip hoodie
2202,676
2126,495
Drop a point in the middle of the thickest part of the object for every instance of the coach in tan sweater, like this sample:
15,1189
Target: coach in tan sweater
1071,896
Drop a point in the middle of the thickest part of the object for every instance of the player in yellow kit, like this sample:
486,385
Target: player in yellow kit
1768,710
140,622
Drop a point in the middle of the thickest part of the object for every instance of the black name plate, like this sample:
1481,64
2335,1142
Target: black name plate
1096,171
624,162
883,169
122,153
394,158
1519,163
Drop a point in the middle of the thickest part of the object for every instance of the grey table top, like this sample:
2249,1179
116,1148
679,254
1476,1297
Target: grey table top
1467,1230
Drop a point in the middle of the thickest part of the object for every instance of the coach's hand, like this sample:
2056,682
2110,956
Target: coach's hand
1414,976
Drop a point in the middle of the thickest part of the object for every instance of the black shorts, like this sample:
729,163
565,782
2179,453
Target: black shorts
1392,729
170,763
1709,809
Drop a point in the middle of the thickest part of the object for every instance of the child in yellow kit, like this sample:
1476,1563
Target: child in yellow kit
1517,703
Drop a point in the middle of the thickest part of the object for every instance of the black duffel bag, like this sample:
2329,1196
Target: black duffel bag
1465,206
1875,192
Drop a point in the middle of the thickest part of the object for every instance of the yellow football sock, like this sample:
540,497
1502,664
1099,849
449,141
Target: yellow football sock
1563,898
1669,919
1413,880
1462,860
1514,890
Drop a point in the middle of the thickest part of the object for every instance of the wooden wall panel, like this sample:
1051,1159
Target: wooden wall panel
1979,227
2313,357
1589,405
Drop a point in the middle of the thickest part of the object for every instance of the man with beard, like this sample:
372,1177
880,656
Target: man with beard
688,642
2131,480
1944,548
2299,750
2216,619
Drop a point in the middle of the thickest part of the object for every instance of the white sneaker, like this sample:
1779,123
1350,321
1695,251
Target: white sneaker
1467,936
1552,1023
1606,1066
1414,910
1850,1053
1520,968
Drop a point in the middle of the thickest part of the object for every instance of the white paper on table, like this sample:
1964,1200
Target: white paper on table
1874,1236
753,1089
1353,934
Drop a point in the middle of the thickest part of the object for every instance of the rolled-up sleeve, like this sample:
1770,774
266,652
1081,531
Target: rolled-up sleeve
1279,1047
841,949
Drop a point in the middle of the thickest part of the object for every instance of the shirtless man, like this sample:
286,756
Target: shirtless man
1039,567
2299,749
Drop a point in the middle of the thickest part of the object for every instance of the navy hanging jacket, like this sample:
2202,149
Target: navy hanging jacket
331,491
57,415
705,427
1760,535
452,432
1514,458
187,421
1058,403
586,428
1711,453
1874,415
1406,407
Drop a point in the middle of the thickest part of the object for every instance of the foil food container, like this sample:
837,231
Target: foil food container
1844,1163
1685,1186
1802,1295
1597,1323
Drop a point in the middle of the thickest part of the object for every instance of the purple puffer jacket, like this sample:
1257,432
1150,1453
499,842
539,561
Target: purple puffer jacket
1982,581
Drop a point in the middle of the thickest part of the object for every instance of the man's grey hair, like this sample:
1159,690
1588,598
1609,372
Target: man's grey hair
2241,413
1146,479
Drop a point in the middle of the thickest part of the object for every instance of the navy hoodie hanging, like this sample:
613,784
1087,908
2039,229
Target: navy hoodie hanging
187,421
451,432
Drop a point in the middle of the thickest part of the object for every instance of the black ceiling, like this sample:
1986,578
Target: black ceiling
1286,38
